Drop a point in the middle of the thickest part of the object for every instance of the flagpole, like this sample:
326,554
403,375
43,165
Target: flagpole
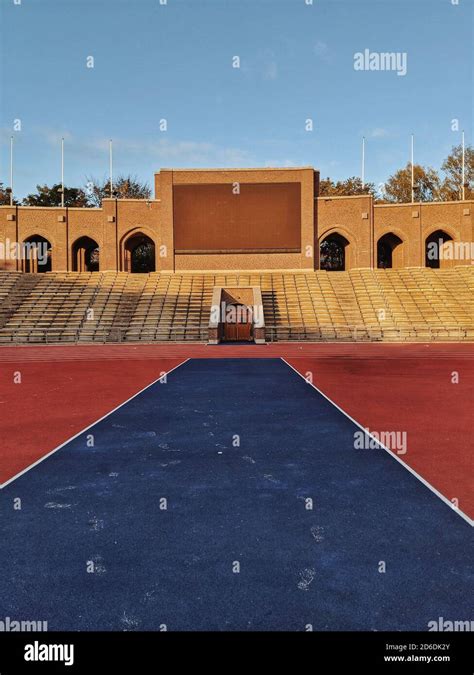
412,169
62,172
363,162
110,168
463,169
11,170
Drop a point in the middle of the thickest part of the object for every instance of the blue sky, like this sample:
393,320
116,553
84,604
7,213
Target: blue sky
173,61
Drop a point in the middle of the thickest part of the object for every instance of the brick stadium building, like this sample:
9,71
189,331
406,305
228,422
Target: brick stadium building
245,219
259,228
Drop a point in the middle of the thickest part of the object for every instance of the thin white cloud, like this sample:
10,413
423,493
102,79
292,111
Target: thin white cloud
164,151
6,133
322,51
54,137
263,65
270,71
280,163
378,132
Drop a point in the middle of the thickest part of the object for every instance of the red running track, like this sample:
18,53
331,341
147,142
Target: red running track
56,400
385,387
272,351
416,396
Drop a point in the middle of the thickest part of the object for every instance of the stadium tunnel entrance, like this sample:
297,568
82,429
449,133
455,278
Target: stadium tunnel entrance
237,315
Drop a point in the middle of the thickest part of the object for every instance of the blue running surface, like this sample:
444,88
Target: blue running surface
190,508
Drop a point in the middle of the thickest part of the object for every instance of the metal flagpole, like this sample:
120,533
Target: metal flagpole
62,172
11,170
463,169
110,162
412,169
363,162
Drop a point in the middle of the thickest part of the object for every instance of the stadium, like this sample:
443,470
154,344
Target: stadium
149,399
320,268
237,398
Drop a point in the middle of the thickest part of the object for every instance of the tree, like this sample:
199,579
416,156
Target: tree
451,188
326,187
349,186
51,196
5,196
124,187
427,185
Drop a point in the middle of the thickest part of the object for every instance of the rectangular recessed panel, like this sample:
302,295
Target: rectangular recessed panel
214,218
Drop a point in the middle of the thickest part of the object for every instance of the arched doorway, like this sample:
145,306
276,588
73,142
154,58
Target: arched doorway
332,253
36,255
139,254
389,251
435,254
85,255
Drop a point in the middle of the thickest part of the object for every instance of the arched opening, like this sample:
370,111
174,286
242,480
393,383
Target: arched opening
139,254
436,255
332,253
36,255
85,255
389,251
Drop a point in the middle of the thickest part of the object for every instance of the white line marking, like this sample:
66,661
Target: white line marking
38,461
412,471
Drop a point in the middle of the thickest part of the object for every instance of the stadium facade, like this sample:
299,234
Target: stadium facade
237,219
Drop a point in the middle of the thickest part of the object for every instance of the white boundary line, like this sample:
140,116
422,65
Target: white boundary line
38,461
412,471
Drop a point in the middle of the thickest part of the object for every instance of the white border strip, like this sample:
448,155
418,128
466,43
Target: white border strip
412,471
32,466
